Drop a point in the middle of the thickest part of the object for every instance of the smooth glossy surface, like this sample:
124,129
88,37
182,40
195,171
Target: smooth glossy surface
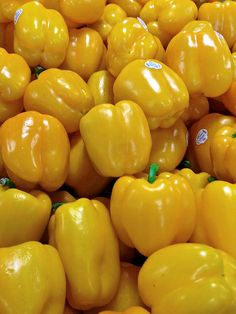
131,7
35,150
198,108
156,88
117,138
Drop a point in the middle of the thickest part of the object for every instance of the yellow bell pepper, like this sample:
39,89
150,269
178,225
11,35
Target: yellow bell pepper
154,29
84,237
112,14
61,94
130,40
198,108
61,196
151,214
127,292
156,88
122,143
201,134
222,16
82,177
40,35
24,216
35,150
8,9
188,278
32,279
85,52
131,7
14,78
201,57
131,310
101,86
169,146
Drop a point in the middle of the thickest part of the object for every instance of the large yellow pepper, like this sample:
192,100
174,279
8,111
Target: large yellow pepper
189,278
127,292
112,14
61,94
101,86
85,52
82,177
201,57
40,35
131,310
35,150
151,214
24,216
84,237
14,78
130,40
198,107
169,146
131,7
122,143
156,88
32,279
222,16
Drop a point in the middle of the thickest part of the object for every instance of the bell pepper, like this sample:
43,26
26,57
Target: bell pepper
198,108
24,216
222,16
151,214
35,150
201,57
61,94
154,29
157,89
169,146
122,143
188,278
85,52
101,86
40,35
82,177
131,310
8,9
201,134
32,279
131,7
130,40
61,196
14,78
112,14
84,237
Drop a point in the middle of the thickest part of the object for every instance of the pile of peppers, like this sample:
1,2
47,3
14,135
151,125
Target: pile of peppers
117,157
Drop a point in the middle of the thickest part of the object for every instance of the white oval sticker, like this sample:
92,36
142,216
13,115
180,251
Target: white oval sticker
219,35
202,137
144,25
17,15
153,65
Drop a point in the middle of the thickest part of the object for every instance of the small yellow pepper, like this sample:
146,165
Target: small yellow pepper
84,237
156,88
122,142
131,310
189,278
32,279
40,35
198,107
61,94
131,7
35,150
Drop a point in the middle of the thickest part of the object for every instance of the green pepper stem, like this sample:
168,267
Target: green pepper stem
7,182
233,135
37,70
55,206
211,179
154,168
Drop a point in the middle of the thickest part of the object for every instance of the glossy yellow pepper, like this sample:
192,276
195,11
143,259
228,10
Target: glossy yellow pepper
130,40
84,237
24,216
201,57
198,107
201,134
35,150
169,146
131,7
85,52
40,35
188,278
222,16
82,177
32,279
127,292
101,86
156,88
122,143
61,94
131,310
112,14
154,29
149,215
8,9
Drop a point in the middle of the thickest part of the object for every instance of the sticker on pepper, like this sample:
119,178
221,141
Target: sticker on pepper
142,23
153,65
201,137
17,15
